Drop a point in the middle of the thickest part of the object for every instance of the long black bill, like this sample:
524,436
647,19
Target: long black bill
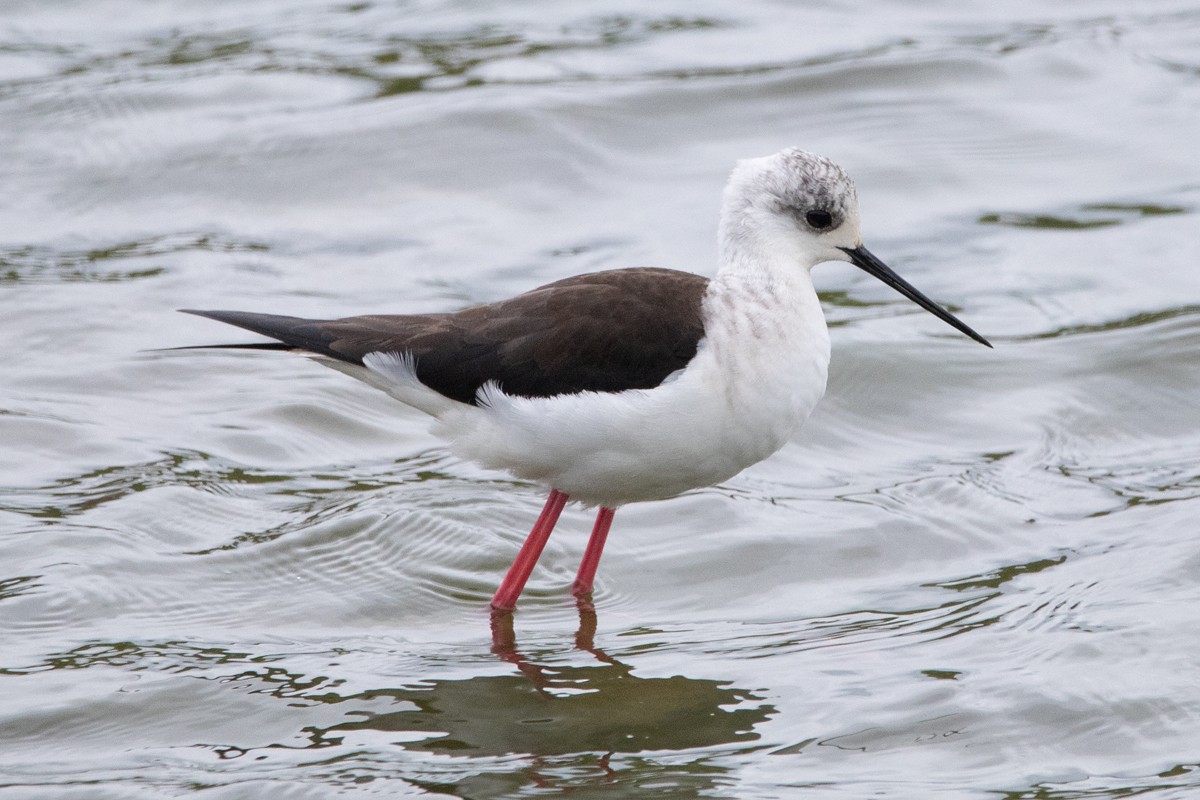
862,258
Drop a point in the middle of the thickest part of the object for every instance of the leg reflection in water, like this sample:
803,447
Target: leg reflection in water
504,644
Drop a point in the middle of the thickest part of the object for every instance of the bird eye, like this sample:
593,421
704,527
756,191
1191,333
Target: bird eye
819,219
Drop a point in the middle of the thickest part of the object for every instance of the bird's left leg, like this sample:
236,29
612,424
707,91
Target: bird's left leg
591,556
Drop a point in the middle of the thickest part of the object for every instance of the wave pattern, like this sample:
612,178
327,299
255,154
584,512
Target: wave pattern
971,575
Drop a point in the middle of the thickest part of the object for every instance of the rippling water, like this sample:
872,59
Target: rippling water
974,574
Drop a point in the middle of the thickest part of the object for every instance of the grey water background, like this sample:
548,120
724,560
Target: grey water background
974,574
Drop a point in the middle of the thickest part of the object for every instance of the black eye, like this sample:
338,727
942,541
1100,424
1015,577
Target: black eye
819,219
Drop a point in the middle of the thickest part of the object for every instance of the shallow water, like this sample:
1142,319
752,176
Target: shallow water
232,575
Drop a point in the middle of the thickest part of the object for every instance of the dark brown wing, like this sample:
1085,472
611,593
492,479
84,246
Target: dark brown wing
605,331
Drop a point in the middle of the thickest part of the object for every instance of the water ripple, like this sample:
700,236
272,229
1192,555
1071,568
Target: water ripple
973,574
146,258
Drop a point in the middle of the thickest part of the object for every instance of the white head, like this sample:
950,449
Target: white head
801,206
794,210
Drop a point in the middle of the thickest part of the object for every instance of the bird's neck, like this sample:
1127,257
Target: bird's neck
764,327
766,306
767,337
761,262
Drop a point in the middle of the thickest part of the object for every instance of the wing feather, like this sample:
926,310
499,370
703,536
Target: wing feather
605,331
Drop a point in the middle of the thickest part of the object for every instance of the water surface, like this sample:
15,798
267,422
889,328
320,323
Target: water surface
232,575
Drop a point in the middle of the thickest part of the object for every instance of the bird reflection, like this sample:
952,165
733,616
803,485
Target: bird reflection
550,708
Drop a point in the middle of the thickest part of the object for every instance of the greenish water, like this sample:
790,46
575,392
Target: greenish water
974,574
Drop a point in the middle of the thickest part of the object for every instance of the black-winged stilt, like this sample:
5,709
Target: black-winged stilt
631,384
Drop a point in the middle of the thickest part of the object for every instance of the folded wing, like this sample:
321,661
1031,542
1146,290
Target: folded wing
605,332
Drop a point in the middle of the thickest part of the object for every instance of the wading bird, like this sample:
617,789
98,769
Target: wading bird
626,385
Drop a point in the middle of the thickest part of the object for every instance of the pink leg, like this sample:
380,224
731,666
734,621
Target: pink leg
506,596
591,556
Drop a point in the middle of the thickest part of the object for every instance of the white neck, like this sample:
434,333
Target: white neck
766,334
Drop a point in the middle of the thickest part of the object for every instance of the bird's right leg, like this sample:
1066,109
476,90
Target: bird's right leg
506,596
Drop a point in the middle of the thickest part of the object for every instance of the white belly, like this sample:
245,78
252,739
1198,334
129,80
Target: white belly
697,429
